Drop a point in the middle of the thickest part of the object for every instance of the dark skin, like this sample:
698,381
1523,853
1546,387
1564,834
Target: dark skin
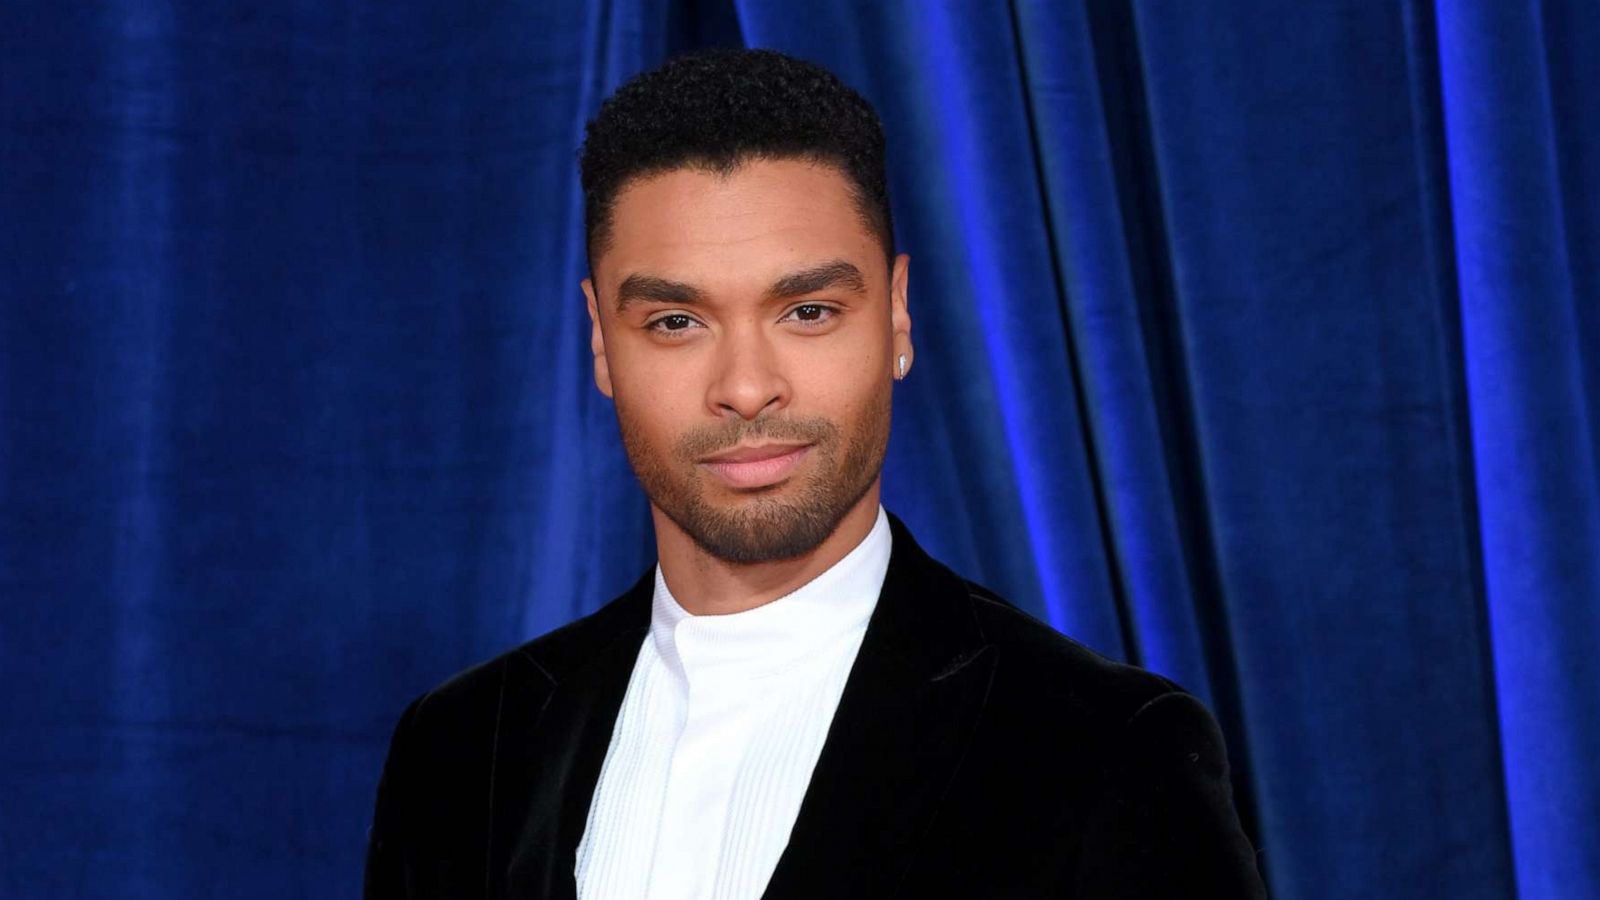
751,310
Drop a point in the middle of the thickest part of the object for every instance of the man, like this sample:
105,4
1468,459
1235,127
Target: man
797,701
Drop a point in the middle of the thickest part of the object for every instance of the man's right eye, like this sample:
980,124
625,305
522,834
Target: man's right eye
672,322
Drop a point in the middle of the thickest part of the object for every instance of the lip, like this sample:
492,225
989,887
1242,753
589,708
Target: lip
753,467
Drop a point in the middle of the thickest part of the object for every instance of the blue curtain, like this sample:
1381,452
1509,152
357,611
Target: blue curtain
1259,343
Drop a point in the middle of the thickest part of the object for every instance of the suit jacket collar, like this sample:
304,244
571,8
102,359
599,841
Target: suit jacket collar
903,722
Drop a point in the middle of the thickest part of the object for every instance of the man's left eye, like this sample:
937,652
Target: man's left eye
813,312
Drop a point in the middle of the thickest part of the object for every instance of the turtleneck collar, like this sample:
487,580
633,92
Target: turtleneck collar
776,635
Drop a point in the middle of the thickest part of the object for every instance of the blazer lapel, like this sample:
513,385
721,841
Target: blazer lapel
557,712
909,707
902,727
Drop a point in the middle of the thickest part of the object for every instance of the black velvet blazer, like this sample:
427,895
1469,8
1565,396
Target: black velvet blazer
975,753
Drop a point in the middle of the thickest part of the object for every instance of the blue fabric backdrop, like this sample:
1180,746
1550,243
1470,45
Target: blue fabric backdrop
1259,343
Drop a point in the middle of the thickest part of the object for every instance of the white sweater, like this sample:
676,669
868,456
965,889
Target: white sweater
721,726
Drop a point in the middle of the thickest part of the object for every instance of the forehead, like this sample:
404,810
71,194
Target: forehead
763,217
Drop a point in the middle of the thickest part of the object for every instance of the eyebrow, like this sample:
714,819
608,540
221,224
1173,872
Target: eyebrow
642,288
835,274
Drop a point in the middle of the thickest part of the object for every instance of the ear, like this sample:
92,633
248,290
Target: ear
899,316
597,341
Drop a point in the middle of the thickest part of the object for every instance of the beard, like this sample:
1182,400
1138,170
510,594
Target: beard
778,522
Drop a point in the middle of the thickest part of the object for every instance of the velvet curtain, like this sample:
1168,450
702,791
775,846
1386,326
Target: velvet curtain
1258,343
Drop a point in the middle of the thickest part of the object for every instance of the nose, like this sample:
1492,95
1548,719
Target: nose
748,380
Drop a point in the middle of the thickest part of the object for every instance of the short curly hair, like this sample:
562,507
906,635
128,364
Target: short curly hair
717,109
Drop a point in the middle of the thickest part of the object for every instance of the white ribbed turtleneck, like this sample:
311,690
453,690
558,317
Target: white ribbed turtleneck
721,726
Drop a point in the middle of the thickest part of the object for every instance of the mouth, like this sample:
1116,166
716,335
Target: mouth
755,467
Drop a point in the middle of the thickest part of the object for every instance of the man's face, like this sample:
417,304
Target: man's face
747,327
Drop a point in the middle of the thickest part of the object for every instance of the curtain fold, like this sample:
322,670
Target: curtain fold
1533,415
1256,344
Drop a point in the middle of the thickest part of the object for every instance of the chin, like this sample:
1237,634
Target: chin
757,529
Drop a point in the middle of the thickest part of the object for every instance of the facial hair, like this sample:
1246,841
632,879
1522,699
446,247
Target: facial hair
763,526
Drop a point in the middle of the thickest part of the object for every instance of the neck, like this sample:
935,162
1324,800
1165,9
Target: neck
708,586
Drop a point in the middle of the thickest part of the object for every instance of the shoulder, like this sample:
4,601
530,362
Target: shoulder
1059,707
472,698
1054,673
439,774
1042,679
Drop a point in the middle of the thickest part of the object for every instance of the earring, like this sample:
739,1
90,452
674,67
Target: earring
902,365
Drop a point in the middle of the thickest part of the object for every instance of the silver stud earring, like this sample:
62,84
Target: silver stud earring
902,365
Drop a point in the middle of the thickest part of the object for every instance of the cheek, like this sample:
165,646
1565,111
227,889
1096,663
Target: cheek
844,390
648,413
842,369
654,405
646,375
